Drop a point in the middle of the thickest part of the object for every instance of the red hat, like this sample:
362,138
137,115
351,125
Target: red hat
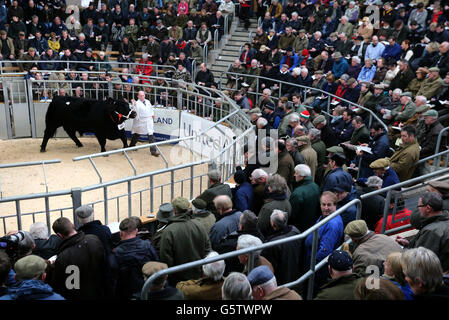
305,52
305,114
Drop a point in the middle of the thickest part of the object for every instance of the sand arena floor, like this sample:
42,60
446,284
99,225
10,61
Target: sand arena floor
70,174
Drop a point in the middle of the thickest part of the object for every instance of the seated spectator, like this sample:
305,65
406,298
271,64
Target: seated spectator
404,159
30,274
102,62
371,249
432,85
344,278
30,56
336,176
126,50
394,273
345,194
159,289
7,50
236,287
423,272
264,286
383,170
367,72
207,287
132,253
45,246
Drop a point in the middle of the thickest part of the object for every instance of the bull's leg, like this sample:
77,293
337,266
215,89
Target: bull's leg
72,136
102,142
124,140
48,133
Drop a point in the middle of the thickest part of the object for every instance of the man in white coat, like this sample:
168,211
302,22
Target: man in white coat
143,122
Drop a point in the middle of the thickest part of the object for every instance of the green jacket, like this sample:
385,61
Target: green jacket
206,219
132,32
300,44
310,157
286,167
434,235
358,134
184,240
274,201
347,28
341,288
252,81
430,88
286,41
407,113
404,159
209,195
282,128
305,202
10,44
320,149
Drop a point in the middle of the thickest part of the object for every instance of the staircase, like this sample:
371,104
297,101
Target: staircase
219,60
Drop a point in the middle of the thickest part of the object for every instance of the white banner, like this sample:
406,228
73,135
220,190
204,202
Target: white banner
166,124
208,144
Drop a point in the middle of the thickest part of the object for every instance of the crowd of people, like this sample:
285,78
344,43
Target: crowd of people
322,161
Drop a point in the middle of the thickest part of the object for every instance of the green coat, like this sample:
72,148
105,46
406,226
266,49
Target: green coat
320,149
132,32
430,88
209,195
184,240
407,113
300,44
286,167
404,159
282,128
341,288
206,219
358,134
347,28
286,41
305,202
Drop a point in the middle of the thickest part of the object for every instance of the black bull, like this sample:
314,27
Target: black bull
83,115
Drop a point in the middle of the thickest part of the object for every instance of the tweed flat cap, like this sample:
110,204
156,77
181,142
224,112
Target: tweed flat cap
380,163
84,211
356,228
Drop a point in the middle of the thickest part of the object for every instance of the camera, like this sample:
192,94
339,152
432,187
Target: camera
11,244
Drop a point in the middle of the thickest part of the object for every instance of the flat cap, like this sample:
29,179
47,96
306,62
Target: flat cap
430,113
199,203
319,72
434,69
381,163
441,186
336,155
180,204
259,275
407,94
318,119
270,105
152,267
29,267
84,211
379,86
337,55
255,110
356,228
165,212
335,149
302,31
340,260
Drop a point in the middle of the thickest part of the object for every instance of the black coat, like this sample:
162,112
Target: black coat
287,259
328,136
87,253
46,248
102,232
372,207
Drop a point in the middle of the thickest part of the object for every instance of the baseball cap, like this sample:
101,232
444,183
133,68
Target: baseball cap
340,260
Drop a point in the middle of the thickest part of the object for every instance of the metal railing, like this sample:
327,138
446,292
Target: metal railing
414,185
309,275
178,180
257,93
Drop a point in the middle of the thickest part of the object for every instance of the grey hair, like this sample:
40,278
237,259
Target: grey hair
421,264
314,132
272,283
259,173
422,98
432,199
356,58
262,122
248,220
293,142
303,69
214,270
247,241
267,90
39,230
214,175
397,91
374,182
236,287
303,170
277,184
294,118
279,218
296,71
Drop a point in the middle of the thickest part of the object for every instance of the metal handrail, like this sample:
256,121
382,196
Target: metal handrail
216,39
440,136
314,229
313,89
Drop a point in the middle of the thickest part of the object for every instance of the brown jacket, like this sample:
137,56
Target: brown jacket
201,289
282,293
404,159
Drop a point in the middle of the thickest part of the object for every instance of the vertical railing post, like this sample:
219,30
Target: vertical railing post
312,265
76,202
385,215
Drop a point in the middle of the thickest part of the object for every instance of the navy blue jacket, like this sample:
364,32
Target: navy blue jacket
379,147
390,178
131,255
336,177
242,196
345,133
31,290
227,224
350,213
102,232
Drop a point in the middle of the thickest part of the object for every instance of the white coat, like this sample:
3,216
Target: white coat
143,122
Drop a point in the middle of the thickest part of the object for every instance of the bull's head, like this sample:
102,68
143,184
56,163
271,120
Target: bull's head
121,110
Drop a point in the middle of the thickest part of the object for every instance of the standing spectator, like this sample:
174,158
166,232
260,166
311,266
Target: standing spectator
84,251
199,212
286,259
264,286
228,222
404,159
132,253
236,287
159,289
45,246
242,194
183,240
336,175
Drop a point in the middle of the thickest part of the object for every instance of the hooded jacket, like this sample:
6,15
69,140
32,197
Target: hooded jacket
31,289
